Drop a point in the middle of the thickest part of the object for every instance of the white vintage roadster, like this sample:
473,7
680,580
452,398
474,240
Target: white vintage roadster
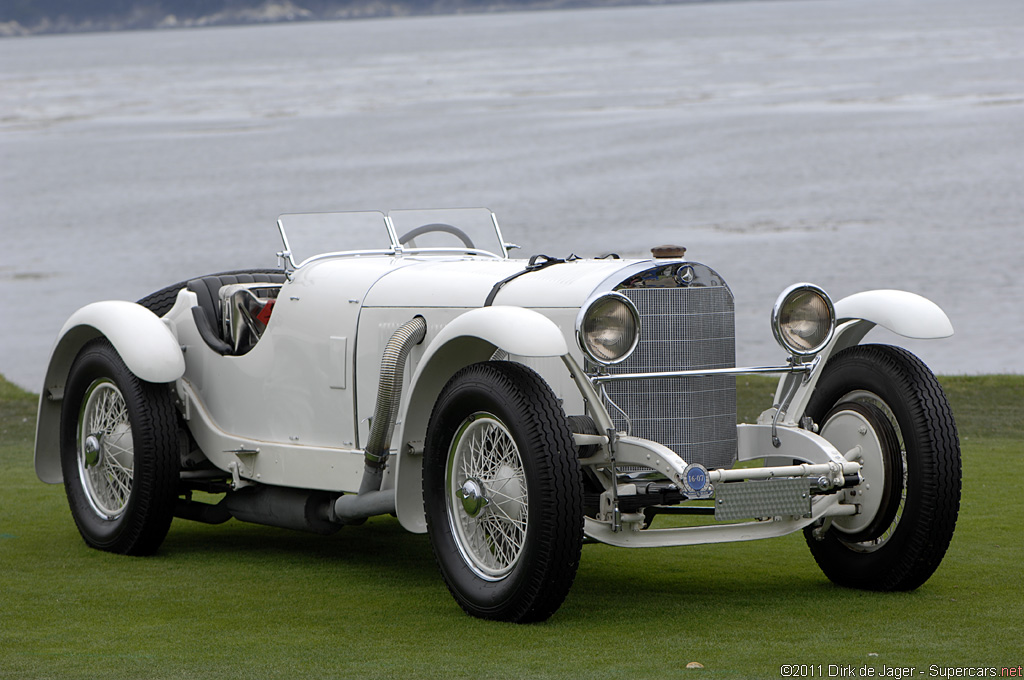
512,409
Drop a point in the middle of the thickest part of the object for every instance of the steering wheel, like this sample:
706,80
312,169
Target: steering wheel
438,226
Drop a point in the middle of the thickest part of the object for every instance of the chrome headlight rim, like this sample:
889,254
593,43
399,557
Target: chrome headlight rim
789,296
583,315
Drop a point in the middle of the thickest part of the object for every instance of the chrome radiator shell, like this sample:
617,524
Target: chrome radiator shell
687,323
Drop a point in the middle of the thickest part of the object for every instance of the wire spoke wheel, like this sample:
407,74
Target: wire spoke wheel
106,452
487,500
503,493
119,453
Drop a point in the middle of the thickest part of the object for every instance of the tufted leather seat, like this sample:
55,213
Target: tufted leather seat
207,314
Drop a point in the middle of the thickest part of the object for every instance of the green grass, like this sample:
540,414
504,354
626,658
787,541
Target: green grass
242,601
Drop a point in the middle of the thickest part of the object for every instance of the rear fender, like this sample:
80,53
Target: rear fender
147,346
903,313
470,338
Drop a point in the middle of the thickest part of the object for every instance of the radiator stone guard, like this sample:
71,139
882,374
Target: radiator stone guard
687,323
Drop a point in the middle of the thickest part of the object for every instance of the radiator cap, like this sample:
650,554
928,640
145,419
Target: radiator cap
668,252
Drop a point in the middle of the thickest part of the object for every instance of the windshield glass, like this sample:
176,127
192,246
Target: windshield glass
469,229
458,230
307,235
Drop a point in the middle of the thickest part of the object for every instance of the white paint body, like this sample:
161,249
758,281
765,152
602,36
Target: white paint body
146,344
906,314
294,410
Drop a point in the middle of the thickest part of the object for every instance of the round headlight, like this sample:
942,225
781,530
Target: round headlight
608,328
803,319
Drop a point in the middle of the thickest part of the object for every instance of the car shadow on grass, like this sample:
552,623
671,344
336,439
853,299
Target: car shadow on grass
610,580
379,544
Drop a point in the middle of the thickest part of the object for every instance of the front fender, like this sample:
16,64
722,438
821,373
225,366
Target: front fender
146,345
470,338
516,330
903,313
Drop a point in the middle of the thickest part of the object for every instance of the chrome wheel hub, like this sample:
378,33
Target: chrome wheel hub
91,450
487,496
106,449
472,496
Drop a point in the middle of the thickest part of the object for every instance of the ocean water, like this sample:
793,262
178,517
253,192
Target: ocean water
857,145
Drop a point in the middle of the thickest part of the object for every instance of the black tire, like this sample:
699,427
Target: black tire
162,300
119,454
516,569
900,407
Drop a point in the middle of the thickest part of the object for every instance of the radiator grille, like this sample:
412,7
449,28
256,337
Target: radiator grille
682,328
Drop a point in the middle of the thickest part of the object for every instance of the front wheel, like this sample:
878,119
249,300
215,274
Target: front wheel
884,404
503,493
118,453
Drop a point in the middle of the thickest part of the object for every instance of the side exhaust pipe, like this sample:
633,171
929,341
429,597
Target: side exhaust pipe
318,511
370,501
281,507
273,506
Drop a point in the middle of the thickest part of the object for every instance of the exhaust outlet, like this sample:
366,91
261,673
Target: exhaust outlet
283,507
371,501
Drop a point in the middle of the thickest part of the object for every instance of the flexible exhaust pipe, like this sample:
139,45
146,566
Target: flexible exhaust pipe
389,391
370,501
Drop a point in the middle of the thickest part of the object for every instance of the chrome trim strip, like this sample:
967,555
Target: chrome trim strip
346,253
452,250
606,378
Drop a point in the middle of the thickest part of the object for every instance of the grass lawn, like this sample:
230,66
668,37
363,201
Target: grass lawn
243,601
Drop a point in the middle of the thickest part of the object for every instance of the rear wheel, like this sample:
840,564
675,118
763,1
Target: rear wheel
885,401
118,453
503,493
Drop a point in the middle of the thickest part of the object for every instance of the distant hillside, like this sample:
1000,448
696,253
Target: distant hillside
25,17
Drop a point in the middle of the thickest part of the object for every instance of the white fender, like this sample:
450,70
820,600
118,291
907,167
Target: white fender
468,339
145,343
514,329
147,346
904,313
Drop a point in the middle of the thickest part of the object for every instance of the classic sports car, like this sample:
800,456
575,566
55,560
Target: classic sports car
512,409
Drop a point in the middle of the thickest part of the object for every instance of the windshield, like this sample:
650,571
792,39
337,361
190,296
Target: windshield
457,229
308,236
